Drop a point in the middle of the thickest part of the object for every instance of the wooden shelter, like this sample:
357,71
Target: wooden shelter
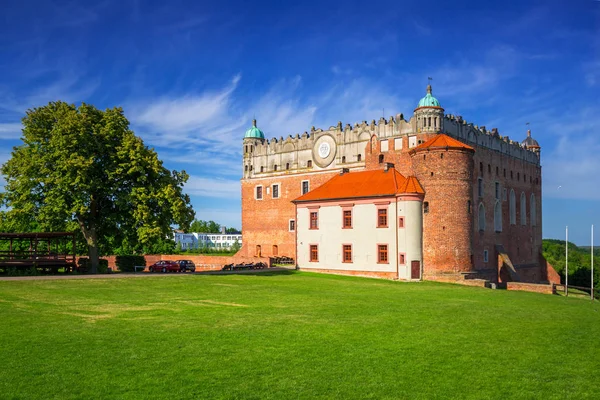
45,250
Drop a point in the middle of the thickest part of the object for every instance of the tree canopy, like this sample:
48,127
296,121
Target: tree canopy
83,168
209,227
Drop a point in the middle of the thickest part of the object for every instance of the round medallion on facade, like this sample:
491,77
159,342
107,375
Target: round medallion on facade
324,150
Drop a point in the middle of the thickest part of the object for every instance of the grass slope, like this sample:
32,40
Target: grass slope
291,335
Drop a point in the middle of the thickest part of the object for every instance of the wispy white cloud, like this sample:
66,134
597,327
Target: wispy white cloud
213,187
10,130
177,121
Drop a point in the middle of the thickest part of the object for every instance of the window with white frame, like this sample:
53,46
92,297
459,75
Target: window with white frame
276,191
258,193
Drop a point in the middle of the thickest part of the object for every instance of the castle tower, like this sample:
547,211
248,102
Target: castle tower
531,144
252,138
444,167
429,117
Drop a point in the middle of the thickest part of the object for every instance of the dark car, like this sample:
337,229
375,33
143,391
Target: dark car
164,266
186,265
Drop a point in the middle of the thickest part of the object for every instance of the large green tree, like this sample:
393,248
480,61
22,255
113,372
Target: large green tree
80,167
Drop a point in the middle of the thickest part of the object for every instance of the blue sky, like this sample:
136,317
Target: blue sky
190,76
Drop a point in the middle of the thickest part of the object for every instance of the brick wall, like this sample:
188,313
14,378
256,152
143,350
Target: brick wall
265,222
531,287
521,243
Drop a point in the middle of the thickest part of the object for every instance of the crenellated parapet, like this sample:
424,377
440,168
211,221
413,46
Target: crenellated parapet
344,145
479,136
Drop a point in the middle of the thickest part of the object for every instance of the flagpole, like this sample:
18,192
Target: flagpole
592,258
567,261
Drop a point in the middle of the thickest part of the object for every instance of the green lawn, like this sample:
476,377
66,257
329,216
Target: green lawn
292,335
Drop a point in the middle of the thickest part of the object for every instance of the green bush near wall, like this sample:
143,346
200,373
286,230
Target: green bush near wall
128,263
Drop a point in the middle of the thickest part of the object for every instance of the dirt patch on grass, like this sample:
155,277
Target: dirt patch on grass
211,302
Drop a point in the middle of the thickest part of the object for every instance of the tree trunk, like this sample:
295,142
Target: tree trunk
91,239
93,252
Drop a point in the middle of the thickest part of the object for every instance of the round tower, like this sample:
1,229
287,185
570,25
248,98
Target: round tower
252,138
444,167
429,116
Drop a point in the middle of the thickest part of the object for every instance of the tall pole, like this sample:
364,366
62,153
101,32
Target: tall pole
567,261
592,291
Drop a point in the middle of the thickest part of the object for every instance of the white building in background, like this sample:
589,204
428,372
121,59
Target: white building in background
195,240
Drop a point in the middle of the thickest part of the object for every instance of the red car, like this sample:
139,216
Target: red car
164,266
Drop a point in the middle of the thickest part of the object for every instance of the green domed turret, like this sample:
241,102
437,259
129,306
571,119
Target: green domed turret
429,100
254,132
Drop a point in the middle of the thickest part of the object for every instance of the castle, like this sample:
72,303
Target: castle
432,197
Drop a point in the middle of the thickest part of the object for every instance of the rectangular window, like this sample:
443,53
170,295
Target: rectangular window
304,187
292,225
382,253
402,259
384,145
382,218
497,191
485,256
314,220
347,219
412,141
426,207
314,253
347,250
480,187
398,143
275,191
259,193
401,222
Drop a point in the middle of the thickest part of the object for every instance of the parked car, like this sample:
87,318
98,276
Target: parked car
164,266
186,265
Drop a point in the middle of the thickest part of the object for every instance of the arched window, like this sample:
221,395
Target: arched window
262,168
287,166
513,207
532,211
481,217
498,216
309,163
246,168
381,159
359,157
343,159
275,167
523,209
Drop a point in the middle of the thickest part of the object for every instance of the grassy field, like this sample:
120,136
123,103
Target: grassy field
292,335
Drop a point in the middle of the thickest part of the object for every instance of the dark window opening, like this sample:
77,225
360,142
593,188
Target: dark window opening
425,207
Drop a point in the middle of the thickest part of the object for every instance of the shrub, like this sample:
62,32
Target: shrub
127,263
84,265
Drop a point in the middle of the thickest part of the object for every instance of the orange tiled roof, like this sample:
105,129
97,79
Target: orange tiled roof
442,140
411,185
376,183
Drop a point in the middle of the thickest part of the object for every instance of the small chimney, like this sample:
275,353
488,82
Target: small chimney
387,166
344,171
